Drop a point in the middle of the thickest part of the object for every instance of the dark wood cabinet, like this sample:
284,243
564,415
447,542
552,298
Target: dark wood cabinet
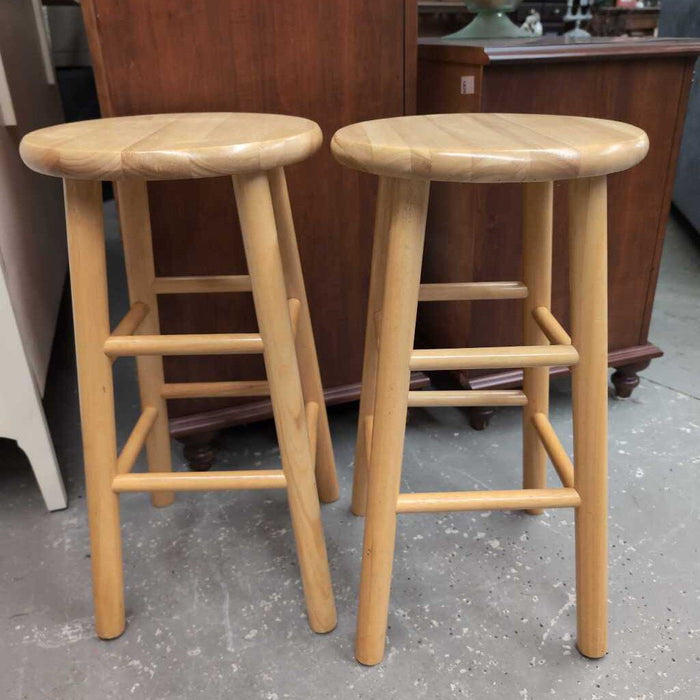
474,231
334,62
621,21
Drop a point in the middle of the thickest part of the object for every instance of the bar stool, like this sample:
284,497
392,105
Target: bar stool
253,148
407,153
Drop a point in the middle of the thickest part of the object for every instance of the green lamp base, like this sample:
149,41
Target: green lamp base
489,25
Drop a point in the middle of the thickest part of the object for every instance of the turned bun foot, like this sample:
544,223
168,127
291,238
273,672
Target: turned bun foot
200,451
480,417
626,379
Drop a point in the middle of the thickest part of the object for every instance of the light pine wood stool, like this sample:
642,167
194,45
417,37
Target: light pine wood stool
253,148
407,153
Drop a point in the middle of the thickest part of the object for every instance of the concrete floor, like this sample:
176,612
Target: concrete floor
482,603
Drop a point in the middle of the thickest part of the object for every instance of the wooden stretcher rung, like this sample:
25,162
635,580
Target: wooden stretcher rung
312,427
552,445
368,427
294,306
521,499
203,344
494,358
466,398
200,481
132,320
200,390
377,328
472,291
135,442
550,326
205,284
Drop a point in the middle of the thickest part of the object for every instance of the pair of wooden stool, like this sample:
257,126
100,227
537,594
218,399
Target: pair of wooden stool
407,153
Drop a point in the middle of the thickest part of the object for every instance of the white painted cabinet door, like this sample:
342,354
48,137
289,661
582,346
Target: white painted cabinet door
32,236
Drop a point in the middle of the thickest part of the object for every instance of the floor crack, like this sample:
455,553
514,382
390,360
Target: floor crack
671,388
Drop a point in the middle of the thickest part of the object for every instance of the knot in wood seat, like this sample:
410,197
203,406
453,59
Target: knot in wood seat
490,147
170,146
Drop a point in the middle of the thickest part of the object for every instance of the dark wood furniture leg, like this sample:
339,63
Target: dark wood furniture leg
627,363
480,417
199,449
625,379
198,432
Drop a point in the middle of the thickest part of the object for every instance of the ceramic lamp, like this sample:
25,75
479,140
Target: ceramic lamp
491,21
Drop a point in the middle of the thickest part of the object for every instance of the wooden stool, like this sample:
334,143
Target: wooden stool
407,153
253,148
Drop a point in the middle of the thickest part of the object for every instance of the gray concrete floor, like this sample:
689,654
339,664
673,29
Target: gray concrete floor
482,603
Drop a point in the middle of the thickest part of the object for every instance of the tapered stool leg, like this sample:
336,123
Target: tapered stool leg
88,274
262,249
140,272
399,308
589,327
369,366
326,477
537,276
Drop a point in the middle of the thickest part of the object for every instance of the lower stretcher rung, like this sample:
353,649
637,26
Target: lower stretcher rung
555,450
550,326
466,398
202,284
521,499
197,390
200,481
133,319
137,439
472,291
494,358
204,344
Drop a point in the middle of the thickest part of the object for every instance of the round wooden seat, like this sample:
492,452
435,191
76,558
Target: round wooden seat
170,146
490,147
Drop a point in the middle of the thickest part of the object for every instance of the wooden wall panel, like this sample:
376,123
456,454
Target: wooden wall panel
334,62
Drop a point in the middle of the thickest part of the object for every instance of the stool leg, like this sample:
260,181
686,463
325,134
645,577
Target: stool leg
537,276
326,478
140,272
262,249
589,330
88,274
406,236
369,365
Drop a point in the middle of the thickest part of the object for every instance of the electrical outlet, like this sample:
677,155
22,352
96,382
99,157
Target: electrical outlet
467,86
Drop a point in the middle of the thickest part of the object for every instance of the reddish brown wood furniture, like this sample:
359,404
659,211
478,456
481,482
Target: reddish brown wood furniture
620,21
473,235
333,62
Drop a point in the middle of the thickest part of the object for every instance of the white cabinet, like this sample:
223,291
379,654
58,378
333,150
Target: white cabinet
32,242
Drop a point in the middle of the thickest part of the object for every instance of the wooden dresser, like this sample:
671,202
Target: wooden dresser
334,62
475,231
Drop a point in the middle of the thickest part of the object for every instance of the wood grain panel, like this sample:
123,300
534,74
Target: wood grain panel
334,62
473,231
